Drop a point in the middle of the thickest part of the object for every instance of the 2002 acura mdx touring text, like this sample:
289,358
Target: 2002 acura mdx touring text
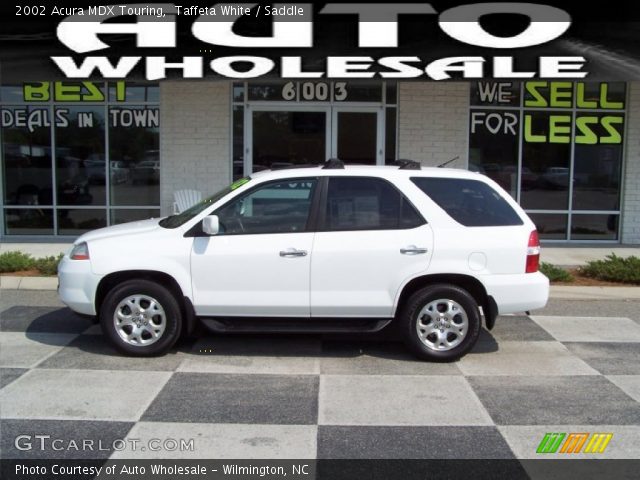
318,249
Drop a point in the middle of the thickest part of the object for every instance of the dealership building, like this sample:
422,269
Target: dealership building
82,155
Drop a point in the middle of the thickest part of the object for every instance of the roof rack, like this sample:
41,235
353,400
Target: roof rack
333,164
405,164
286,167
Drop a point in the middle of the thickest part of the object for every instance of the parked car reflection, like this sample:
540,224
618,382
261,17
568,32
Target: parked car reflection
555,178
147,171
95,167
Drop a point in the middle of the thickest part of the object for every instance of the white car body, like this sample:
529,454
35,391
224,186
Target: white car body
344,274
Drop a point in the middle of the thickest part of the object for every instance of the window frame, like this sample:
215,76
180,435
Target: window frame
196,230
50,106
322,213
520,108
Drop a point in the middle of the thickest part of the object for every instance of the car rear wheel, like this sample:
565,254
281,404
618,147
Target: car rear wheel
440,322
141,318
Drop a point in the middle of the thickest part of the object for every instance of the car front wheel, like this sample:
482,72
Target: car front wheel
141,318
440,322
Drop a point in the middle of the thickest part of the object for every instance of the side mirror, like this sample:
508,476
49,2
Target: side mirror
211,225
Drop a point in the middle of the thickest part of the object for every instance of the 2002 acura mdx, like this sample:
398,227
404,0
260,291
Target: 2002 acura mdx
319,249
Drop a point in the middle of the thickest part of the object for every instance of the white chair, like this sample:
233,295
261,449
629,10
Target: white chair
184,199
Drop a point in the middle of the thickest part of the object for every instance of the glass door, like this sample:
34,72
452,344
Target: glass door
356,135
284,136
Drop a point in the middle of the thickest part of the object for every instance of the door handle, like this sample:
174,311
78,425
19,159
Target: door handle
292,252
413,250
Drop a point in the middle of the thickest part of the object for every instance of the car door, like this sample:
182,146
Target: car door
259,263
370,240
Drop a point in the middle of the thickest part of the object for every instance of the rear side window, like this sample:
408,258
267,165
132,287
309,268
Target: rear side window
469,202
361,203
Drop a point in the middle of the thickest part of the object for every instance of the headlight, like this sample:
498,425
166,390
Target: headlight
80,252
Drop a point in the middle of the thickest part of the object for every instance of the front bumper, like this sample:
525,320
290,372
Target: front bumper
518,293
77,285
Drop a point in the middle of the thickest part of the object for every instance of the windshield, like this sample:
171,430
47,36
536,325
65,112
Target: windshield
175,221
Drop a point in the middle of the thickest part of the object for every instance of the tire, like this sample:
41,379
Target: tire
440,305
132,299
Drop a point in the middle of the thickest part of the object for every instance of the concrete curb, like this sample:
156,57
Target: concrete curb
594,293
8,282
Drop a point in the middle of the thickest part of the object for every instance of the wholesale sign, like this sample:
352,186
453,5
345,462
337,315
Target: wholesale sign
87,34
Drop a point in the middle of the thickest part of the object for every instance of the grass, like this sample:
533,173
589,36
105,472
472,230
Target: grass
19,262
555,274
614,269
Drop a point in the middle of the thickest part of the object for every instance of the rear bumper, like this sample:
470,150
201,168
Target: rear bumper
77,285
518,293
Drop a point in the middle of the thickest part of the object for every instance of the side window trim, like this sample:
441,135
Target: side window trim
196,230
322,225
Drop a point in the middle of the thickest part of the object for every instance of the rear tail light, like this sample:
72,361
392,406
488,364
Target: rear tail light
80,252
533,253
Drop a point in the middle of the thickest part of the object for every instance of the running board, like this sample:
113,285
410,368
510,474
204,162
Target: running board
294,325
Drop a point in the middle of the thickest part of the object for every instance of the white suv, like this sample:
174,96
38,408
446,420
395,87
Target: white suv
316,249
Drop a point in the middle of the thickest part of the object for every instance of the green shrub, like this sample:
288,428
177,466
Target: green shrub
47,265
555,274
614,269
19,262
15,261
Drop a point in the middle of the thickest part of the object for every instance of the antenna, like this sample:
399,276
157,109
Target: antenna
442,165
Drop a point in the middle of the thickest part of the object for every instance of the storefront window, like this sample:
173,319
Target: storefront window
265,91
546,156
133,93
563,142
493,146
80,156
78,221
594,227
551,226
122,215
134,155
103,147
238,92
598,162
28,221
26,148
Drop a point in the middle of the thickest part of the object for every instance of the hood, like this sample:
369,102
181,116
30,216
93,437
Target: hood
131,228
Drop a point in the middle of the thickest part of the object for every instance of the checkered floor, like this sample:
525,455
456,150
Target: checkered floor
315,397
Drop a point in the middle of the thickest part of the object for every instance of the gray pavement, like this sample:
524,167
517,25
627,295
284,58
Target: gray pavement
571,367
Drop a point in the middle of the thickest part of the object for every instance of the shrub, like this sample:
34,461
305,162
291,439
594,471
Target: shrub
555,274
614,269
15,261
47,265
19,262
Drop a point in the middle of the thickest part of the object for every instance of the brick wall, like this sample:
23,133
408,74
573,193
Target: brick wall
631,198
433,120
194,138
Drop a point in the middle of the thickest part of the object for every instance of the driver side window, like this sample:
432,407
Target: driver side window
276,207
